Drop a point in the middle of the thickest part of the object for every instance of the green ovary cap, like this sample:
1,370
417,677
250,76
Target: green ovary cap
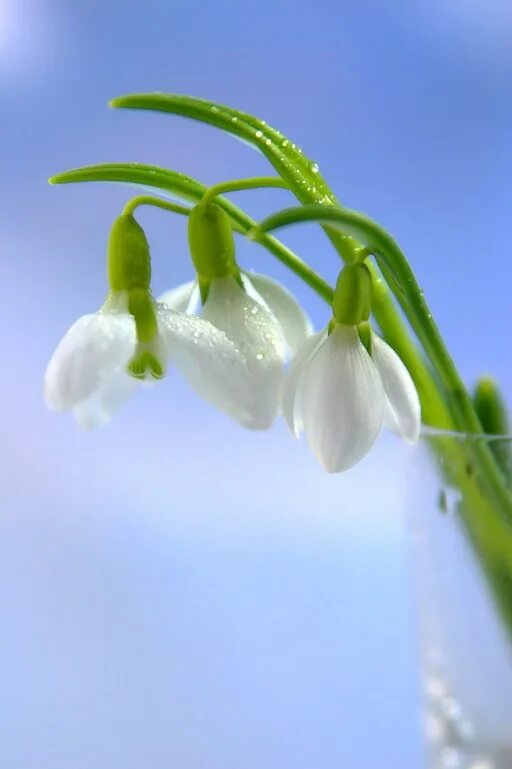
149,358
210,238
146,363
352,301
493,415
129,262
142,307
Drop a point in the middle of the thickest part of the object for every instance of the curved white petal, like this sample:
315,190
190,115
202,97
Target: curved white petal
291,402
94,348
256,334
99,407
403,412
210,362
295,324
342,400
184,298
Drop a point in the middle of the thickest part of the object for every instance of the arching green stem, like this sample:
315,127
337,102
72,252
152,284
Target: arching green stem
237,185
149,200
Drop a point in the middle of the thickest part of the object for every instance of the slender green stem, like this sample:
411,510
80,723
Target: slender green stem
149,200
294,263
237,185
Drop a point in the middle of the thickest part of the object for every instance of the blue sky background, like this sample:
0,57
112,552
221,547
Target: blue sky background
175,591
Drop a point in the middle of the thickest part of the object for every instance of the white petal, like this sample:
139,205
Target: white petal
93,349
256,334
184,298
97,410
295,324
291,400
342,400
403,413
210,363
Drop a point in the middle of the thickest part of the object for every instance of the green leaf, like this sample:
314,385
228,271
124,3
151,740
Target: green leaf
183,186
301,174
152,177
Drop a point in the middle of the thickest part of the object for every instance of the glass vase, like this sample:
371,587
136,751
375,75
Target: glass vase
464,640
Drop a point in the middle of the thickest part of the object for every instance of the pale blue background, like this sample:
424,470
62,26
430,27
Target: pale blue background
175,591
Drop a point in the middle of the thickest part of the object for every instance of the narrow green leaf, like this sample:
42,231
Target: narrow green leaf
296,169
152,177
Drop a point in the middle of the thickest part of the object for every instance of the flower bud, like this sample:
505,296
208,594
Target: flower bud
212,247
129,263
490,407
493,415
353,295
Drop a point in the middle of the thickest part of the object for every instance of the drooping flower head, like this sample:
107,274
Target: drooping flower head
260,317
341,392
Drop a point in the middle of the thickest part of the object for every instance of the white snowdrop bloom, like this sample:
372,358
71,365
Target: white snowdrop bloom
402,410
340,396
265,324
88,372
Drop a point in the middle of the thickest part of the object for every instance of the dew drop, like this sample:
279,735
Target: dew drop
314,168
259,134
259,356
268,142
285,143
234,119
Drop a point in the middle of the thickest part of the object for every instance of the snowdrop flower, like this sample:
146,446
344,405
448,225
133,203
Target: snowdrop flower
98,362
339,394
260,317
